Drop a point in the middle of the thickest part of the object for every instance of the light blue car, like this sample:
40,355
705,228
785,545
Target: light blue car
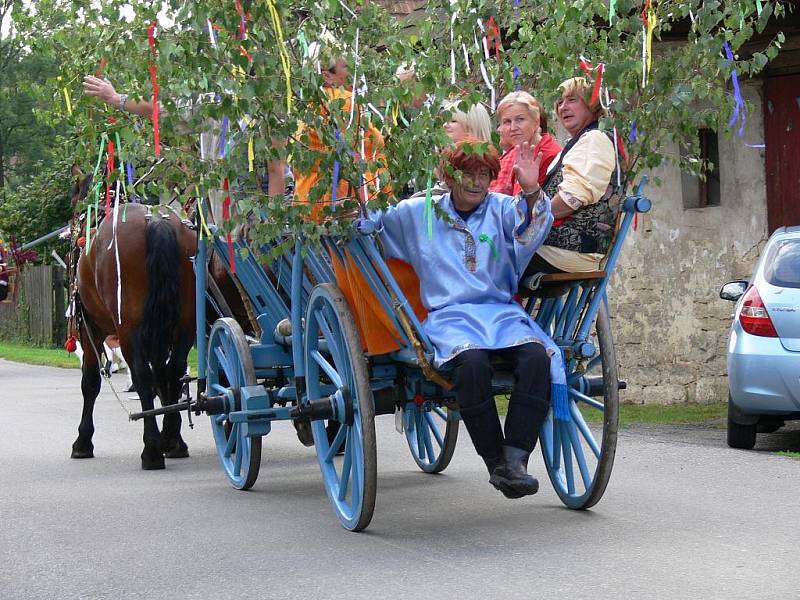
764,346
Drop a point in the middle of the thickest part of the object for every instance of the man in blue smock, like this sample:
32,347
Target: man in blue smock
468,270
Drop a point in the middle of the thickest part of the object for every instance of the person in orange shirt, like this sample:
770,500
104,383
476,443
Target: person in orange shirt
336,79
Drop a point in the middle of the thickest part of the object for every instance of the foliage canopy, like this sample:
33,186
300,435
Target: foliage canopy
265,84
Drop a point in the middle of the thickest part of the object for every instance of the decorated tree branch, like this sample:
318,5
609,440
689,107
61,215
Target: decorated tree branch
241,85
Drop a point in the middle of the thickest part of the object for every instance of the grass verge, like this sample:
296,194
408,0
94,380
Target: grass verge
53,357
37,355
650,413
789,454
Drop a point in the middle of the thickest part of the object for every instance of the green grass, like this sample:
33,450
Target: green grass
53,357
651,413
37,355
789,454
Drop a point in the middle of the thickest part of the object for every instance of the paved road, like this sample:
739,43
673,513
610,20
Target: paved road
684,517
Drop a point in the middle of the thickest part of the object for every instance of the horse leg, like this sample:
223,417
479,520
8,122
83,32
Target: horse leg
171,440
152,456
82,447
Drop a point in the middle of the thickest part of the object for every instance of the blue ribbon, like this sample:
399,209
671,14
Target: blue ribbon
129,172
335,182
739,109
517,85
633,134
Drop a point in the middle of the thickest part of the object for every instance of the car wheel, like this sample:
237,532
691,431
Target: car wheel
739,436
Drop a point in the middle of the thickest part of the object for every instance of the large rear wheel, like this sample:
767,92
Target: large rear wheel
347,458
579,452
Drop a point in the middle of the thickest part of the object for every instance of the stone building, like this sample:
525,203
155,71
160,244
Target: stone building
670,325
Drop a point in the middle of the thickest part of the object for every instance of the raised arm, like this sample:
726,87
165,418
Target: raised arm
102,89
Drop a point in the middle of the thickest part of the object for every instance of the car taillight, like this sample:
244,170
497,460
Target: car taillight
754,316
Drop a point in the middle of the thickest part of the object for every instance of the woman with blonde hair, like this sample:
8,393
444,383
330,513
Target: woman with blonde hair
520,118
474,123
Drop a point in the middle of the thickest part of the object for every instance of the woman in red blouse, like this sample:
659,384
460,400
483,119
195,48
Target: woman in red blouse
520,118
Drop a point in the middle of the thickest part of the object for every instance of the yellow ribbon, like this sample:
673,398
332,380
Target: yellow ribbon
276,23
251,155
203,226
68,100
651,25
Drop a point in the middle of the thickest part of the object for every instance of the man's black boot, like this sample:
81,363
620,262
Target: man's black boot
512,473
491,465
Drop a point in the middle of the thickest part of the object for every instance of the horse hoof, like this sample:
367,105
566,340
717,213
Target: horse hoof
82,451
153,465
178,452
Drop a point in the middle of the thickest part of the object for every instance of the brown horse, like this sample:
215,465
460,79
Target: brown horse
154,320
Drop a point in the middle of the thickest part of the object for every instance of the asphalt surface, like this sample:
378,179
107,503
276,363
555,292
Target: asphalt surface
683,517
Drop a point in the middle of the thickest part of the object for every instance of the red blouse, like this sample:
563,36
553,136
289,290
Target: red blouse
506,182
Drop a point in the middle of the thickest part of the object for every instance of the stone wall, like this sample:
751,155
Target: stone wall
670,325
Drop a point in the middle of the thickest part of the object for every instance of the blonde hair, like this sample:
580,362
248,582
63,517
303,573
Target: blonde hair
582,88
520,99
476,120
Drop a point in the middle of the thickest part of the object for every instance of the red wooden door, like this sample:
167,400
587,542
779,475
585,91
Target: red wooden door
782,138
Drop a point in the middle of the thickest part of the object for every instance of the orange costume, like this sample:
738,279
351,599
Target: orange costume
378,333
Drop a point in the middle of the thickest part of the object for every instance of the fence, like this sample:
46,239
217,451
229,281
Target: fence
38,313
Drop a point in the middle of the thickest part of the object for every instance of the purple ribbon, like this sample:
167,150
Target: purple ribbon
222,135
335,183
633,134
517,85
129,172
739,108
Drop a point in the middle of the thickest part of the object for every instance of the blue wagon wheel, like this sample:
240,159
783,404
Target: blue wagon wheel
230,367
335,358
579,452
431,432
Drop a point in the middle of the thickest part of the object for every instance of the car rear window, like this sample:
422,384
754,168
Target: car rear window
782,266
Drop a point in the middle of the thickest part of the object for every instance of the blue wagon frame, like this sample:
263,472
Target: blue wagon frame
319,376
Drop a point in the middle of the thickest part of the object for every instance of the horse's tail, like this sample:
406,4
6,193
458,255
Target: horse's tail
162,306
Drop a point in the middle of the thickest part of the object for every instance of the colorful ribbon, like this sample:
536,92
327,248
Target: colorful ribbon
226,217
429,207
335,178
739,108
242,21
648,18
151,40
222,135
493,32
488,240
276,23
68,101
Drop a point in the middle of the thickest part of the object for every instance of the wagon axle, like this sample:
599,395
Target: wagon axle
338,406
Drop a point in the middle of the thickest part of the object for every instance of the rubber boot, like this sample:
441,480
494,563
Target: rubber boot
512,474
491,465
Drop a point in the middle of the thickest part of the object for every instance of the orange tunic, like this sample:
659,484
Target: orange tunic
378,333
373,149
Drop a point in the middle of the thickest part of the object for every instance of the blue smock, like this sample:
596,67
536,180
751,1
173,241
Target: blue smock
469,270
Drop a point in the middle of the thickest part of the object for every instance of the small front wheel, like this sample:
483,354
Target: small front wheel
431,433
334,358
230,368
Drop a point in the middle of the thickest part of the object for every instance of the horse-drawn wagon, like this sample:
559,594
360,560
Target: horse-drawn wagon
306,363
